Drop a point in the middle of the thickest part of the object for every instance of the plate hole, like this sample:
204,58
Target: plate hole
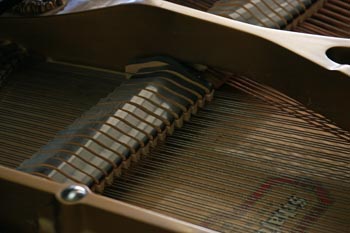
340,55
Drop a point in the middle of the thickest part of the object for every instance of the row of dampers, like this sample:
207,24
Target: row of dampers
267,13
333,19
120,128
29,7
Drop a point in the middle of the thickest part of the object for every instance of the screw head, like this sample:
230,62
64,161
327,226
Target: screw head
74,193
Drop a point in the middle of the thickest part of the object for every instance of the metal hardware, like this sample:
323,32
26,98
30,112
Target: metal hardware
74,193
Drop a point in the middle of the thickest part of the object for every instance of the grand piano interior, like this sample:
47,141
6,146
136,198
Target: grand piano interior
175,116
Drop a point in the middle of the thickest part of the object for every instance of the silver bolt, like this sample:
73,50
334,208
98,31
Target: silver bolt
74,193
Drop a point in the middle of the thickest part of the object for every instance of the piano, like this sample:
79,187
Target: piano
175,116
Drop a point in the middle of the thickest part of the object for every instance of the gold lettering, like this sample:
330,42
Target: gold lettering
280,215
287,213
276,221
288,210
290,207
297,201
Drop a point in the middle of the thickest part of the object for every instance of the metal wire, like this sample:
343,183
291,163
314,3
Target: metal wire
39,101
209,170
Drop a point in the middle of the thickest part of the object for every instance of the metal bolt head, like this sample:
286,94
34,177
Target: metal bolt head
74,193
